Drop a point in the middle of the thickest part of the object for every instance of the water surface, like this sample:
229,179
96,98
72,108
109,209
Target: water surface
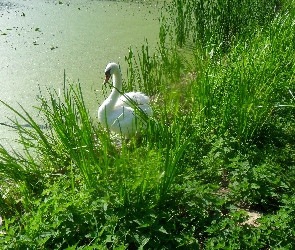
40,39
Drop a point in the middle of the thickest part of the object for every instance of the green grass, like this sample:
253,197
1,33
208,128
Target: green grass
221,144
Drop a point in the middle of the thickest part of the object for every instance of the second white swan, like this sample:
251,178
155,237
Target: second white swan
120,113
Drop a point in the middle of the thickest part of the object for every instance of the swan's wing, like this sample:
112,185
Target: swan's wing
125,121
147,109
138,97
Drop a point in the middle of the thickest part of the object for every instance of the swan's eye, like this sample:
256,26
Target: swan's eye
108,72
107,78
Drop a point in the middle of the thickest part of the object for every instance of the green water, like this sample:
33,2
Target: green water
40,39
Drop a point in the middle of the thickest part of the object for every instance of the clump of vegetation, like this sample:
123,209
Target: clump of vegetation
222,148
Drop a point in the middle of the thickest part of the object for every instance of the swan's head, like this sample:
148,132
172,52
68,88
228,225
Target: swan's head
111,69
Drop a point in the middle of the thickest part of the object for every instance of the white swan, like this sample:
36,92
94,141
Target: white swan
123,114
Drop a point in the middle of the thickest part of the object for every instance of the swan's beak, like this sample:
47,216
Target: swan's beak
107,78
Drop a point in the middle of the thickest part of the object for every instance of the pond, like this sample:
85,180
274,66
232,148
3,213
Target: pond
40,39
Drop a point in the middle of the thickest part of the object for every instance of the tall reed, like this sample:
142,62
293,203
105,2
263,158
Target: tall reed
68,142
236,91
218,23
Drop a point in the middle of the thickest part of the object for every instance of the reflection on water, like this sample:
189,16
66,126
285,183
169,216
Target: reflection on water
40,39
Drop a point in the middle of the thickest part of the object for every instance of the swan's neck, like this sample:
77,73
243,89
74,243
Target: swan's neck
110,102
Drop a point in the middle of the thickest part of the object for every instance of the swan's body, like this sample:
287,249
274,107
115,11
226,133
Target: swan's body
118,112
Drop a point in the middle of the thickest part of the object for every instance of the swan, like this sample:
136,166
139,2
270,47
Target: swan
123,114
